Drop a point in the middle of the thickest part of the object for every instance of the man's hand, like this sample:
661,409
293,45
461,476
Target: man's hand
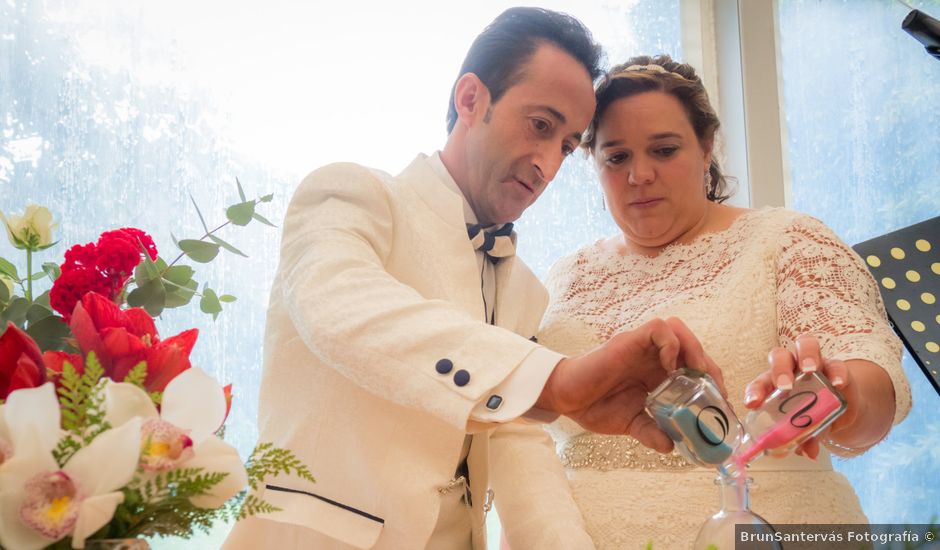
605,389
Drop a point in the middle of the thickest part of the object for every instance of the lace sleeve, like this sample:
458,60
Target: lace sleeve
824,289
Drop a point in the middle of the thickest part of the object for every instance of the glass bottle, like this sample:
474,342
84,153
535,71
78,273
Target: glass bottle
786,419
718,532
691,410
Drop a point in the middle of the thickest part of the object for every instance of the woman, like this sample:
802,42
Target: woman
747,282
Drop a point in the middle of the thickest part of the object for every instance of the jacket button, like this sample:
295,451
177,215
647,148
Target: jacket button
461,378
444,366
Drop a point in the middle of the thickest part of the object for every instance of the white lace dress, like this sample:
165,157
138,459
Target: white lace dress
774,274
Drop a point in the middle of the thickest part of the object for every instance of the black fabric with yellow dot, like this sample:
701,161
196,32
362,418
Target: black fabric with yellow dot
906,264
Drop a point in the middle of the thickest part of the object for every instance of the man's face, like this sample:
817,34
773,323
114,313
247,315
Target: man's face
515,149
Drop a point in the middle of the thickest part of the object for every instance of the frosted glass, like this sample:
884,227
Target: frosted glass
863,128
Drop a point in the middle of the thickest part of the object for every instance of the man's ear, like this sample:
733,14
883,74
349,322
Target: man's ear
471,99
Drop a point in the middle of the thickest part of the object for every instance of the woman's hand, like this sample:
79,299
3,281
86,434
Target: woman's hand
847,429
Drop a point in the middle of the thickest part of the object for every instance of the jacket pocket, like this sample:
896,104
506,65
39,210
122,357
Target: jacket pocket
329,517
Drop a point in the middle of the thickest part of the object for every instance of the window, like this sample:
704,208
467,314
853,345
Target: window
863,151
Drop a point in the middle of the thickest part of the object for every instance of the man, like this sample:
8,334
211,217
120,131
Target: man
390,338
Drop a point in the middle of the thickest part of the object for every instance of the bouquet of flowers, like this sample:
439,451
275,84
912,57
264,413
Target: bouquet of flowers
106,429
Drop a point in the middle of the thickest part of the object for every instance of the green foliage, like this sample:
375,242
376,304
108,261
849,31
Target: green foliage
137,375
251,505
8,269
159,504
267,460
81,400
210,303
199,251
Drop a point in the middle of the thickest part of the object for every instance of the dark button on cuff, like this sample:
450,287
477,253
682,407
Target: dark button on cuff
444,366
461,378
494,402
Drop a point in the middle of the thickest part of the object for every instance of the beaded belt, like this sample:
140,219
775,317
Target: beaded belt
589,451
615,452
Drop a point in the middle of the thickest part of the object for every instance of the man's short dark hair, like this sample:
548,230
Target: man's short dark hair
500,52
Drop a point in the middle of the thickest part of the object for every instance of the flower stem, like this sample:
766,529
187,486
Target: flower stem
29,274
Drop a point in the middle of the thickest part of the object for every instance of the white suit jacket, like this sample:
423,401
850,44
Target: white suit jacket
377,284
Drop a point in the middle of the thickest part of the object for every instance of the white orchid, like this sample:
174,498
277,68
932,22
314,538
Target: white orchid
41,503
182,433
31,231
33,411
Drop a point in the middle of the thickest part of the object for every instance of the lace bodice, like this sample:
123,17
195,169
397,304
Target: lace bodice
771,276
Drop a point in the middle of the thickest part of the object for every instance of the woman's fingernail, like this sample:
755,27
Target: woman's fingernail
808,365
784,382
837,381
749,398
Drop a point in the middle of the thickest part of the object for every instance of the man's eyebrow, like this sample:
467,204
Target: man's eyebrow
555,113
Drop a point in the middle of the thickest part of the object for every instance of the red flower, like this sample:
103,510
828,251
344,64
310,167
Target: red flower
101,267
123,338
21,364
71,285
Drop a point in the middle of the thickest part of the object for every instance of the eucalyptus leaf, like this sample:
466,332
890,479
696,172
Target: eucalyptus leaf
262,219
210,303
201,219
4,294
43,300
37,312
141,276
227,246
240,214
50,333
38,275
150,296
52,270
16,311
179,274
267,198
241,192
9,269
178,296
199,251
153,271
227,298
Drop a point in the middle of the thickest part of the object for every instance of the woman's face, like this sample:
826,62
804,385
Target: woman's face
652,168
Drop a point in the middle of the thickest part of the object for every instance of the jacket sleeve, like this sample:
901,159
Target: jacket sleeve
358,319
531,491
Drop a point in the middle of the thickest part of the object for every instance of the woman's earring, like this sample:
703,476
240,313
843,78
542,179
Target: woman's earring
708,180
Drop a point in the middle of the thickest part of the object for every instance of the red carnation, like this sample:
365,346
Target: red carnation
72,285
101,267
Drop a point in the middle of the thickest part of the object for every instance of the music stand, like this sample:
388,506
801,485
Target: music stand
906,265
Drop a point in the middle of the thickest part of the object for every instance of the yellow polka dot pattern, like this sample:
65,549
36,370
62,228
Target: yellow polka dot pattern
906,265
